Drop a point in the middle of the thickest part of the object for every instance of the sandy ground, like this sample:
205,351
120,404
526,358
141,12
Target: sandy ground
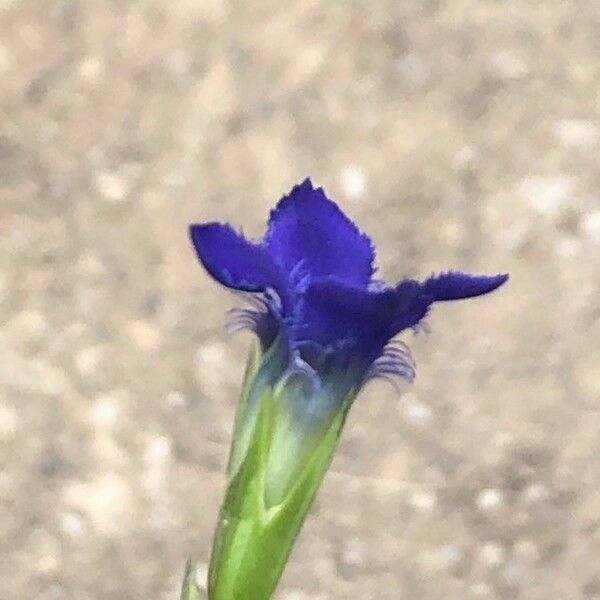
460,134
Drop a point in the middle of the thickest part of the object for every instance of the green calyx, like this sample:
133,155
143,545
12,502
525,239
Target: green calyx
274,475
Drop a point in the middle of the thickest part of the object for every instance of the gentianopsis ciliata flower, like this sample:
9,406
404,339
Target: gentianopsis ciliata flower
326,325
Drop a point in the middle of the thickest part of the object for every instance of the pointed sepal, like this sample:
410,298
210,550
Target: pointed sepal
190,590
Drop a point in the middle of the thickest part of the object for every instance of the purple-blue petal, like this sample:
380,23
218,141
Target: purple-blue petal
335,313
233,260
314,272
455,285
309,231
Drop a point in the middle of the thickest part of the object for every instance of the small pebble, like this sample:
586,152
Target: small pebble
481,590
353,553
578,133
28,324
8,422
536,492
513,573
179,63
449,556
88,360
90,69
416,412
354,182
156,456
112,186
212,360
441,559
7,4
489,500
508,65
526,549
211,354
106,411
466,159
176,399
423,500
3,288
7,484
145,335
72,525
6,56
48,380
158,450
547,195
492,554
91,265
568,247
49,560
414,69
590,226
106,500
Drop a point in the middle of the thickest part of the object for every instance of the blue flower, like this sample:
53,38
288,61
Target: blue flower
312,276
325,325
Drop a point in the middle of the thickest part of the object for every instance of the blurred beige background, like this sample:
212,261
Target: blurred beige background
459,133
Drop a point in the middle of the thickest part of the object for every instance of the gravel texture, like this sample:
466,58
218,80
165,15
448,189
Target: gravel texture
460,133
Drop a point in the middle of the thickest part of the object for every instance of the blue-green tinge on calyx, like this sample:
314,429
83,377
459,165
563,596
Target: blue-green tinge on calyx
325,326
